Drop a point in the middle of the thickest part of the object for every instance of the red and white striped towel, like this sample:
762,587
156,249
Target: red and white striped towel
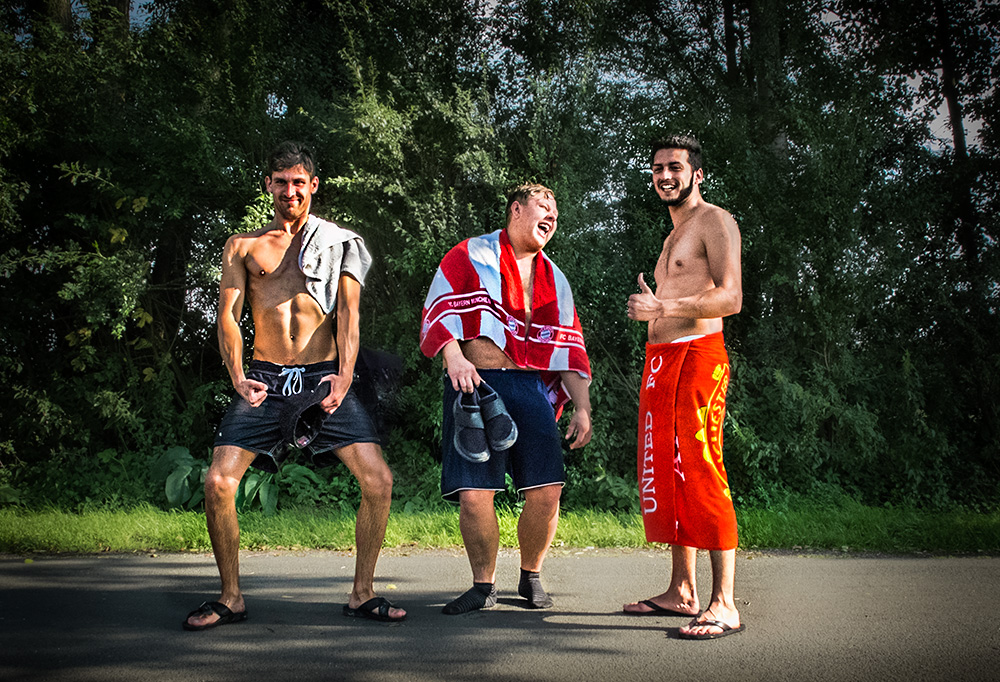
477,292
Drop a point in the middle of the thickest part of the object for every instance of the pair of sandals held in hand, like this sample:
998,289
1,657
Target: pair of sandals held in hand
482,424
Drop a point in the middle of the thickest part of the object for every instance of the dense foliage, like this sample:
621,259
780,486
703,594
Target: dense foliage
132,144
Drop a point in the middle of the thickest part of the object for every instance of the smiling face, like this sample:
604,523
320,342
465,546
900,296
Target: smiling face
673,177
292,190
531,224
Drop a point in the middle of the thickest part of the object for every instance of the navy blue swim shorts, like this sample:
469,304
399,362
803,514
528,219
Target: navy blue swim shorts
258,429
535,460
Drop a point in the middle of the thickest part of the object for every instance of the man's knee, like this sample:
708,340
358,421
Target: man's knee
378,484
375,477
222,479
546,497
476,503
219,485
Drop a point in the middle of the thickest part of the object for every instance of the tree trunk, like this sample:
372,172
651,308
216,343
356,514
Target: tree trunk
117,11
765,60
729,21
965,215
59,12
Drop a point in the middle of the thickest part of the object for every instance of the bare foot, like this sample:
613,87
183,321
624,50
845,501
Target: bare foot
712,625
672,602
661,605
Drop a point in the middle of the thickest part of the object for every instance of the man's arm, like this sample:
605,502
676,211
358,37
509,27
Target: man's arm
348,340
231,295
580,428
462,373
722,248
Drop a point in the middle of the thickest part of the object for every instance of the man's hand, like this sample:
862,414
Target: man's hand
252,391
338,389
580,429
462,373
644,305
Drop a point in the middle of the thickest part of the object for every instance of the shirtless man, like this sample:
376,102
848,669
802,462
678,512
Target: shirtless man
525,344
297,347
683,486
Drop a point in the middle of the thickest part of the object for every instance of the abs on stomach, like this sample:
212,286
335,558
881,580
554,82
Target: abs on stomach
293,331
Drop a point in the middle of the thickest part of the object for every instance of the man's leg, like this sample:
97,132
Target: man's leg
477,520
222,480
682,595
365,461
723,606
536,529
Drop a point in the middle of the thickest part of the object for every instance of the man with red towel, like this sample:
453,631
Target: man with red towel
502,316
683,488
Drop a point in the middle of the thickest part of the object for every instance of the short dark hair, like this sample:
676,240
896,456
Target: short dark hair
522,193
686,142
289,154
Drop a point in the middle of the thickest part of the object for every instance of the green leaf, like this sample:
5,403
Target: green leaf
177,489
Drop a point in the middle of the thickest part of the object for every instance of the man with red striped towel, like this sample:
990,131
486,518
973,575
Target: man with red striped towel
501,315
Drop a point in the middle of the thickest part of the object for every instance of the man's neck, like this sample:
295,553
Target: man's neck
683,211
292,227
521,254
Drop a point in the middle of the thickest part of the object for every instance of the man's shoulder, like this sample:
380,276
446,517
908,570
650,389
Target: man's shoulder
712,214
242,242
249,236
708,221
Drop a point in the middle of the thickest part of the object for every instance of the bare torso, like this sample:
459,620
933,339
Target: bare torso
683,270
289,325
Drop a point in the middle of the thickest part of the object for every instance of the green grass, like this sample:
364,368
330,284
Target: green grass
844,527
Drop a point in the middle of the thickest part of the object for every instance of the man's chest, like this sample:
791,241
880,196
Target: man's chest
526,274
683,255
272,265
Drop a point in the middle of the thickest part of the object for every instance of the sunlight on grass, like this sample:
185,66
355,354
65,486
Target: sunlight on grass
845,527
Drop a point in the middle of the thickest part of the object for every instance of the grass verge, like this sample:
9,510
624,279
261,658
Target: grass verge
847,527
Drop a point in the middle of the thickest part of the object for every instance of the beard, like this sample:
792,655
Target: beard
684,193
291,212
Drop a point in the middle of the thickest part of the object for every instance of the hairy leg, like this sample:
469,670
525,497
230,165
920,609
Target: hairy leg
222,480
537,524
477,519
723,606
365,462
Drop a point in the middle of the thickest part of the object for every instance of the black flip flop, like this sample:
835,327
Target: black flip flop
657,610
226,616
376,608
726,630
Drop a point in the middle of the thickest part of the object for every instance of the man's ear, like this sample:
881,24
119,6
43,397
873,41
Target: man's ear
699,176
314,183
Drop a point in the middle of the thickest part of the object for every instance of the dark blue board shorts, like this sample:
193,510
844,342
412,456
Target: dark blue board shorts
258,429
535,459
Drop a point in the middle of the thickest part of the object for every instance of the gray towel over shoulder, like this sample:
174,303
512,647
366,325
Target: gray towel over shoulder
327,252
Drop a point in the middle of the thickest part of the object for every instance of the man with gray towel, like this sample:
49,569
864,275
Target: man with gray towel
302,277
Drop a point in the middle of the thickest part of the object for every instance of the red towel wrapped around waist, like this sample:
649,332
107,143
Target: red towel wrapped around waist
683,488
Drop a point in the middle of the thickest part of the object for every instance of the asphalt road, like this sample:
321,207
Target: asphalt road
813,617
